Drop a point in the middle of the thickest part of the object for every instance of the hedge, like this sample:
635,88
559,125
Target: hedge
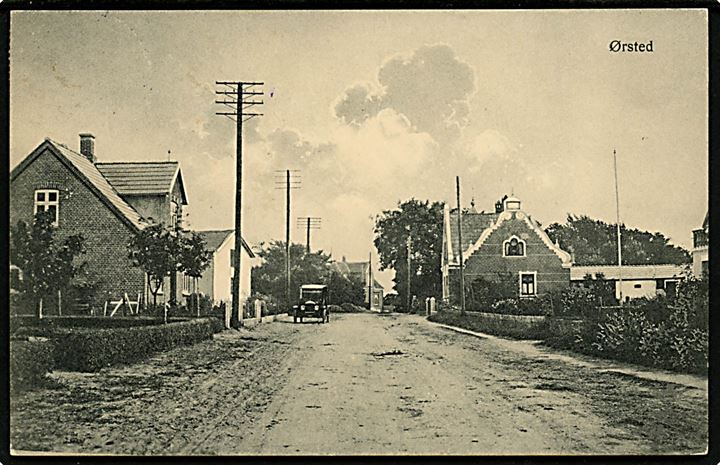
95,322
82,349
30,360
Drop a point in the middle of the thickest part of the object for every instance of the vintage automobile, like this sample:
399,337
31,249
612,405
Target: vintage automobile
313,303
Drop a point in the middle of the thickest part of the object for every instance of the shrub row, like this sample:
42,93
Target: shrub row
627,335
30,360
633,337
81,349
96,322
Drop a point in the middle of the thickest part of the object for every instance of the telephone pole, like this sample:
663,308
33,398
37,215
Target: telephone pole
619,243
291,182
409,266
462,265
371,283
238,96
308,222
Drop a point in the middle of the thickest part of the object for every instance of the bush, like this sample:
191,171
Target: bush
481,294
347,307
528,307
30,360
83,349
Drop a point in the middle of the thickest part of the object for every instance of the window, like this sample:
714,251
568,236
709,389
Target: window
512,205
527,284
186,284
15,278
48,199
514,247
174,210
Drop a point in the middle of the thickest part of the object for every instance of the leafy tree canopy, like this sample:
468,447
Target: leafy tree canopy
305,268
422,222
594,242
47,265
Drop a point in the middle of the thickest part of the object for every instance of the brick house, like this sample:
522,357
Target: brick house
104,202
507,240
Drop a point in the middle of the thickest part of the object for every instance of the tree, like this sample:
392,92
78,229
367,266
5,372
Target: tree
422,222
269,277
345,289
194,260
47,267
156,251
594,242
305,268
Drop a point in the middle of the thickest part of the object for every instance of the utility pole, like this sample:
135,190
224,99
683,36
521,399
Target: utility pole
288,184
409,267
619,243
238,96
370,281
308,222
462,264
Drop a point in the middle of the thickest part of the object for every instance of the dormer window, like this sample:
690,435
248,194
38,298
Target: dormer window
514,247
48,199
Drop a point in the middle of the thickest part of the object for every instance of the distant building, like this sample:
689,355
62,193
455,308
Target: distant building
637,280
107,203
362,271
700,251
216,281
505,241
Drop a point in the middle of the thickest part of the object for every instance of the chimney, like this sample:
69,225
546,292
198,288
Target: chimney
498,207
87,146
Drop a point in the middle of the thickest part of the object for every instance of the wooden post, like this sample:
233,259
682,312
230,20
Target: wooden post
59,302
462,271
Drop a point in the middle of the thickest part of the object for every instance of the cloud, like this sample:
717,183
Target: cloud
357,104
431,87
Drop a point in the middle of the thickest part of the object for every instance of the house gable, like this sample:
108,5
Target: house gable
86,172
512,220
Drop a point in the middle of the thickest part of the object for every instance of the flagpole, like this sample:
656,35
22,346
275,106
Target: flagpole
619,243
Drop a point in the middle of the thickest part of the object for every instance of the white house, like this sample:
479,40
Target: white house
215,282
700,251
637,280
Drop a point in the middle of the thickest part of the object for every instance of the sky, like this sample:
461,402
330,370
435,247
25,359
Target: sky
376,107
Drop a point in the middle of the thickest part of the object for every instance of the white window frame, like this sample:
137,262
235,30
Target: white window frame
520,241
46,203
520,283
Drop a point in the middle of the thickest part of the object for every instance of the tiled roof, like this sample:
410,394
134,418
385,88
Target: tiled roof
473,225
629,272
214,239
89,174
142,178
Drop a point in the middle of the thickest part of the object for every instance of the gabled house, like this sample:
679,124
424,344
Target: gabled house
701,251
107,203
363,271
216,281
505,241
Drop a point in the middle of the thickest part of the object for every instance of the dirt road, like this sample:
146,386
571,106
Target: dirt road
397,384
363,384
